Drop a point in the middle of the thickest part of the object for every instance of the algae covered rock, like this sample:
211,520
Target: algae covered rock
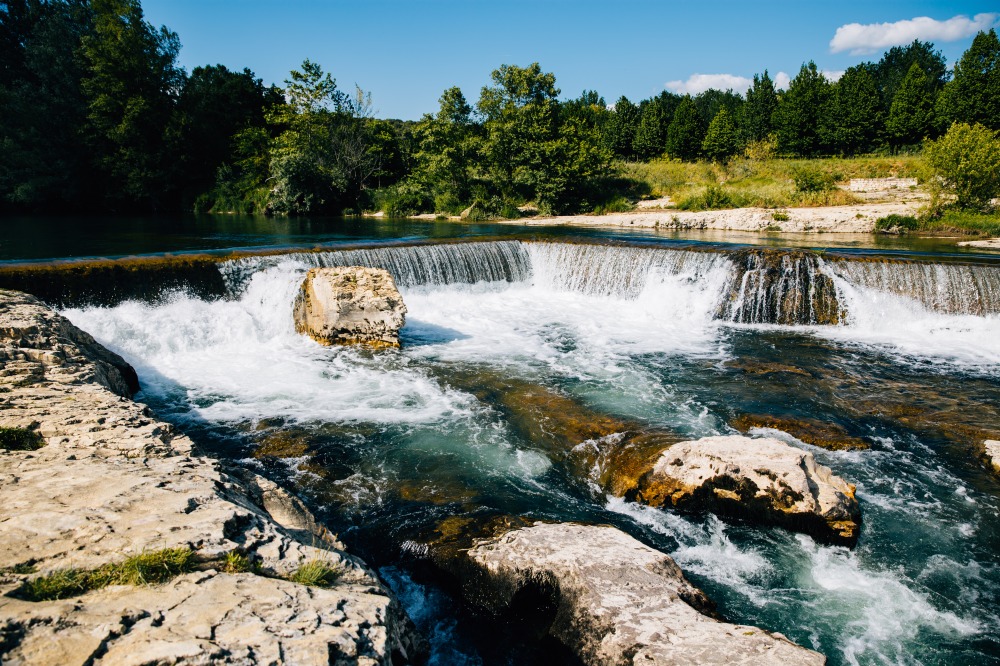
348,305
613,600
763,479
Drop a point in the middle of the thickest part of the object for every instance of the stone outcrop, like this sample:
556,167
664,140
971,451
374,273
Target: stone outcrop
350,305
763,479
615,601
991,454
811,431
112,482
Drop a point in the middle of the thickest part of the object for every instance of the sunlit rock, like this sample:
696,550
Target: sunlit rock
351,304
763,479
991,449
818,433
613,600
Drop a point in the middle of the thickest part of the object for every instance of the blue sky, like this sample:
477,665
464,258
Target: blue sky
406,52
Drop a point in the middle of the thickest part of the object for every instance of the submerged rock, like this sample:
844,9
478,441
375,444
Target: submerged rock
818,433
351,304
763,479
615,601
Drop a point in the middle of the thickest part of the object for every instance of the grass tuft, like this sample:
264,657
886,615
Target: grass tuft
896,224
20,439
316,573
150,568
236,562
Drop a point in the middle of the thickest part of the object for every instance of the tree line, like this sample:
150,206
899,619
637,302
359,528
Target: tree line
96,115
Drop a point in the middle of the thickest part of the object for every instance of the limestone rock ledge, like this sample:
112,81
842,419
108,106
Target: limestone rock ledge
761,478
615,601
351,304
991,455
110,482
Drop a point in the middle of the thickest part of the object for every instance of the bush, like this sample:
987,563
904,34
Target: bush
493,208
779,216
20,439
616,205
404,199
811,179
897,224
966,163
763,149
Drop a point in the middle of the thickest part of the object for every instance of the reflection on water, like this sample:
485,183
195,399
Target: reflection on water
387,445
46,238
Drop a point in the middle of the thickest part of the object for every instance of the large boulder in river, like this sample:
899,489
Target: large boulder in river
762,478
615,601
348,305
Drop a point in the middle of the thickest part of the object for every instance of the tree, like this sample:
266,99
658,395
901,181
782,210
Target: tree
912,110
621,129
686,131
895,64
712,101
445,151
973,94
853,116
966,162
756,115
130,87
797,118
721,140
213,107
651,134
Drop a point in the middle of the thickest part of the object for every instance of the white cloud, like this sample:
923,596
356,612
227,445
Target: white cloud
699,83
832,74
781,80
862,39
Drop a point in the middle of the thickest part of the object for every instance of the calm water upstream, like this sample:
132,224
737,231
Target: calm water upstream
386,445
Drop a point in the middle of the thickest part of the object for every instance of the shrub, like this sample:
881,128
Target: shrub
616,205
762,149
896,223
236,562
779,216
316,573
144,569
811,179
20,439
493,208
404,199
966,163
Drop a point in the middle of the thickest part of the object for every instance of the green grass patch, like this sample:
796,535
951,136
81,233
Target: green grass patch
963,221
316,573
20,439
149,568
616,205
236,562
779,216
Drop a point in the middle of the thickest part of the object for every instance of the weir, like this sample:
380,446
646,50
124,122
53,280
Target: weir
744,286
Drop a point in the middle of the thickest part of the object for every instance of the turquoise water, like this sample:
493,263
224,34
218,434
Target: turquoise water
399,440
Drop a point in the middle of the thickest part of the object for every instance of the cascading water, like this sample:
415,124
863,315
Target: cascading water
394,442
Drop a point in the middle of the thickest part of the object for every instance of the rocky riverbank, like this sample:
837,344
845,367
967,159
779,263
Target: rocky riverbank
97,492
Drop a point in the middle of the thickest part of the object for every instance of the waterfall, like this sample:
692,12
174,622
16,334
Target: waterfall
410,265
780,287
946,288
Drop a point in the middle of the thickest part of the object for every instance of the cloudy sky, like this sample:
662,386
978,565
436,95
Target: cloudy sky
407,51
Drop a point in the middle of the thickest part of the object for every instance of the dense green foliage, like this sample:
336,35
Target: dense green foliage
96,114
966,162
20,439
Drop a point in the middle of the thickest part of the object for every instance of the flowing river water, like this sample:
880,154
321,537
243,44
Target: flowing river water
386,445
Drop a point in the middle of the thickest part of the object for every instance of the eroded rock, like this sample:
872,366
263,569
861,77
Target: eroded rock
762,478
811,431
112,482
614,601
347,305
991,453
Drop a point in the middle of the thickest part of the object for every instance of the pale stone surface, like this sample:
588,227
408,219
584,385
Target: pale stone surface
992,244
858,218
620,602
991,447
349,305
881,184
111,482
761,477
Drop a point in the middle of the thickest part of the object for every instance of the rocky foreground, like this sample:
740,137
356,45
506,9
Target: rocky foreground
100,481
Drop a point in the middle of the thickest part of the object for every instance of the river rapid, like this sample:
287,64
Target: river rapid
385,445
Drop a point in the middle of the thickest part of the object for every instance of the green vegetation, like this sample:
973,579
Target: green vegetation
20,439
897,224
149,568
98,116
966,163
952,220
316,573
236,562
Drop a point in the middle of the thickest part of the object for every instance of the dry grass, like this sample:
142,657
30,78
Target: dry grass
764,183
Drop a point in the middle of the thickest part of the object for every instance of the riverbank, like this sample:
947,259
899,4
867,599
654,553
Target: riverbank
99,497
